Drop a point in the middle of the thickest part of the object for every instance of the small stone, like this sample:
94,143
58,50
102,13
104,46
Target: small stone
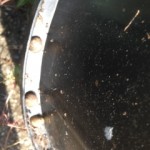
52,40
61,92
124,113
65,114
108,132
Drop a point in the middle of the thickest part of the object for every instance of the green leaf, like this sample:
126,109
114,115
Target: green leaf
17,72
21,3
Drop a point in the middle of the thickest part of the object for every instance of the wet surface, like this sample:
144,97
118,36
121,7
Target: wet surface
95,75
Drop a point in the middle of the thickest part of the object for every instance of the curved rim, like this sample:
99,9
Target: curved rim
33,60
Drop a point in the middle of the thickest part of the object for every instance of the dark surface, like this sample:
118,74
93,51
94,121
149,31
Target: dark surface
96,75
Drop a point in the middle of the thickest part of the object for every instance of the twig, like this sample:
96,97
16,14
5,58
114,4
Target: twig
8,98
13,126
3,2
7,137
16,143
137,13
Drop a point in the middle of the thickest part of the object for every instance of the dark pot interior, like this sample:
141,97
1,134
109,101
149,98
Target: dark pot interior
96,75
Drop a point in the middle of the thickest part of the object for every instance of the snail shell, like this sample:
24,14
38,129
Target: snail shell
35,44
30,99
37,121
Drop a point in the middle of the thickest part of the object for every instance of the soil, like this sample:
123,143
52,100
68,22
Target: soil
14,25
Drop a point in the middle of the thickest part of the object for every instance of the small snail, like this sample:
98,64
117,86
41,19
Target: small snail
35,44
37,121
30,99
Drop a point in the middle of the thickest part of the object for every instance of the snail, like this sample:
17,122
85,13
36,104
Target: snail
35,44
37,121
30,99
